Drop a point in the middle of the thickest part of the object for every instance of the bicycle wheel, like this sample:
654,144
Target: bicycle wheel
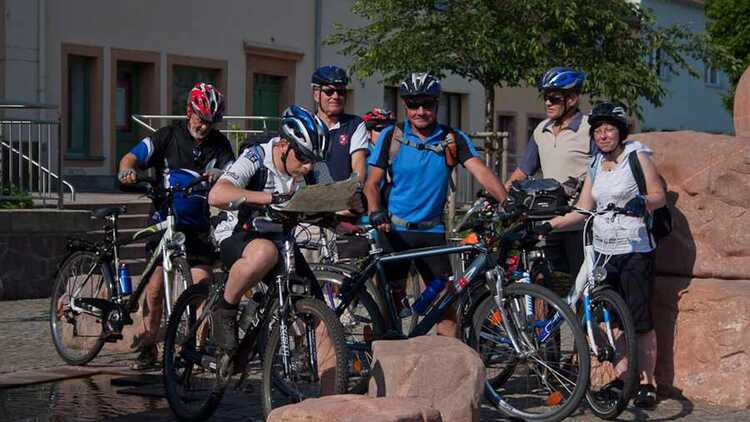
193,392
78,336
362,324
182,279
317,357
547,380
614,373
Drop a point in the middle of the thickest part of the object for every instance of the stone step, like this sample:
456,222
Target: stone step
134,208
133,251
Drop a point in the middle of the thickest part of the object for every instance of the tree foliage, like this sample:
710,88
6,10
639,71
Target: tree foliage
729,36
512,42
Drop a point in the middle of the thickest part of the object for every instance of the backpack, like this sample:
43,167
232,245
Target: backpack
256,183
659,222
442,148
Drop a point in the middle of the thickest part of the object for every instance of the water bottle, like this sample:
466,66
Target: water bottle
126,287
526,278
436,285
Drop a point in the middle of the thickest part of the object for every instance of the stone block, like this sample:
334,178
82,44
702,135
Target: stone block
702,328
708,179
356,408
443,370
741,110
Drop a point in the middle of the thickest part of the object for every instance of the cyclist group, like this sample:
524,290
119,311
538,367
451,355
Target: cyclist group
405,169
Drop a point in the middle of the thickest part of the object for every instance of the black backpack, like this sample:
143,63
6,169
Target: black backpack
660,220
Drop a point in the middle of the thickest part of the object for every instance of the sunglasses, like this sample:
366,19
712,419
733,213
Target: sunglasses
554,98
329,91
197,154
427,104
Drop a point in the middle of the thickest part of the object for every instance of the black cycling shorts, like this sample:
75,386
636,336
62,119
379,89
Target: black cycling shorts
198,246
632,276
428,267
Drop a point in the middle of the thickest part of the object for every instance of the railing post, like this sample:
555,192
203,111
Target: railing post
59,163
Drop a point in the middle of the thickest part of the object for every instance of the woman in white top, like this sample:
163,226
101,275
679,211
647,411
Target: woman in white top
626,238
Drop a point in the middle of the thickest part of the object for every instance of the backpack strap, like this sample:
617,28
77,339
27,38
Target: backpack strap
640,181
438,148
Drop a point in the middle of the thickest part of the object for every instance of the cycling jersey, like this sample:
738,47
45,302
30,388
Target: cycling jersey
178,159
251,162
347,136
419,177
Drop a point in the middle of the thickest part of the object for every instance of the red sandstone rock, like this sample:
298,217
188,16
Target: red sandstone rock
446,372
703,331
356,408
742,106
708,178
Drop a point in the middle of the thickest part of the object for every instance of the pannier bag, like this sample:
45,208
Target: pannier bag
543,198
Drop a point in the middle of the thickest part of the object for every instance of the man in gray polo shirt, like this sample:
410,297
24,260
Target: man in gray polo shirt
561,147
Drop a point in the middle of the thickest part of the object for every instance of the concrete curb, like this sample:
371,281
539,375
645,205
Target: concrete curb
59,373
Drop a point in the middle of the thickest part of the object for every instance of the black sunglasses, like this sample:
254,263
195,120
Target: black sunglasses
197,154
329,91
424,103
554,98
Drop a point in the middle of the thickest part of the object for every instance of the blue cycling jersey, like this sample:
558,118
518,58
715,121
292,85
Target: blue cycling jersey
420,178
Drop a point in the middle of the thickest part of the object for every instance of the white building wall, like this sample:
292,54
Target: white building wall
690,104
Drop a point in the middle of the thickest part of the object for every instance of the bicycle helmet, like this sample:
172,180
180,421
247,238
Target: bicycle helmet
306,132
330,75
420,85
563,79
378,118
613,113
206,101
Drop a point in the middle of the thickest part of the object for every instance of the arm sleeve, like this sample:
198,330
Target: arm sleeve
360,139
151,148
244,168
465,147
530,162
379,156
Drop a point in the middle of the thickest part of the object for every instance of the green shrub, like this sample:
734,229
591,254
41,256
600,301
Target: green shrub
11,197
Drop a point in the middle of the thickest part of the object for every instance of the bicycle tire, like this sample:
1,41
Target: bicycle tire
182,405
362,324
277,390
555,363
62,323
615,305
179,266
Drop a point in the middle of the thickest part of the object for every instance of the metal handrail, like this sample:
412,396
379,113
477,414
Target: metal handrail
42,168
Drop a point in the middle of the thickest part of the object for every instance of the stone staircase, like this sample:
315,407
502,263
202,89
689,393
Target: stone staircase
134,254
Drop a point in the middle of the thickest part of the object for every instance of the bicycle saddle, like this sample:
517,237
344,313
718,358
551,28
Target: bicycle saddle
102,212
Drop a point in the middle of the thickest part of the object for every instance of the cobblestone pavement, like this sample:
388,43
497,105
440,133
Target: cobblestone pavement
24,331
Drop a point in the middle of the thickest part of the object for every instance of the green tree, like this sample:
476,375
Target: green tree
512,42
729,36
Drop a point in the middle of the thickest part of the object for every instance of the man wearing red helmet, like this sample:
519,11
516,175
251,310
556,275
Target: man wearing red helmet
179,153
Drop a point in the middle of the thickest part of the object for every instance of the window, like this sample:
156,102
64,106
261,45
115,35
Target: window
449,112
711,76
79,104
184,79
655,61
390,98
532,123
507,123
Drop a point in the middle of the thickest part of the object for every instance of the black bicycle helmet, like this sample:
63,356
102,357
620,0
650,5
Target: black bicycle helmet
609,112
330,75
420,85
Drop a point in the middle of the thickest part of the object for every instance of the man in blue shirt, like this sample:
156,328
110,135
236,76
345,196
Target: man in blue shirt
419,158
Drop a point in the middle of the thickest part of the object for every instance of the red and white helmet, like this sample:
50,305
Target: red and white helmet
206,101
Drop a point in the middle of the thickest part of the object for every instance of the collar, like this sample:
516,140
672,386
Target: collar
343,118
435,135
574,124
268,156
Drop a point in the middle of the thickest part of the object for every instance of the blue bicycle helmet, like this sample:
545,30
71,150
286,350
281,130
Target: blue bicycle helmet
305,131
330,75
420,85
563,79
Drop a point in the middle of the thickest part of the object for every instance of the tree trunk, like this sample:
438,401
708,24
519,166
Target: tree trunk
491,146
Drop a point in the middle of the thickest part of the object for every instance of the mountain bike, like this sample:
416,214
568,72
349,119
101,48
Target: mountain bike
90,302
602,311
555,355
299,339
